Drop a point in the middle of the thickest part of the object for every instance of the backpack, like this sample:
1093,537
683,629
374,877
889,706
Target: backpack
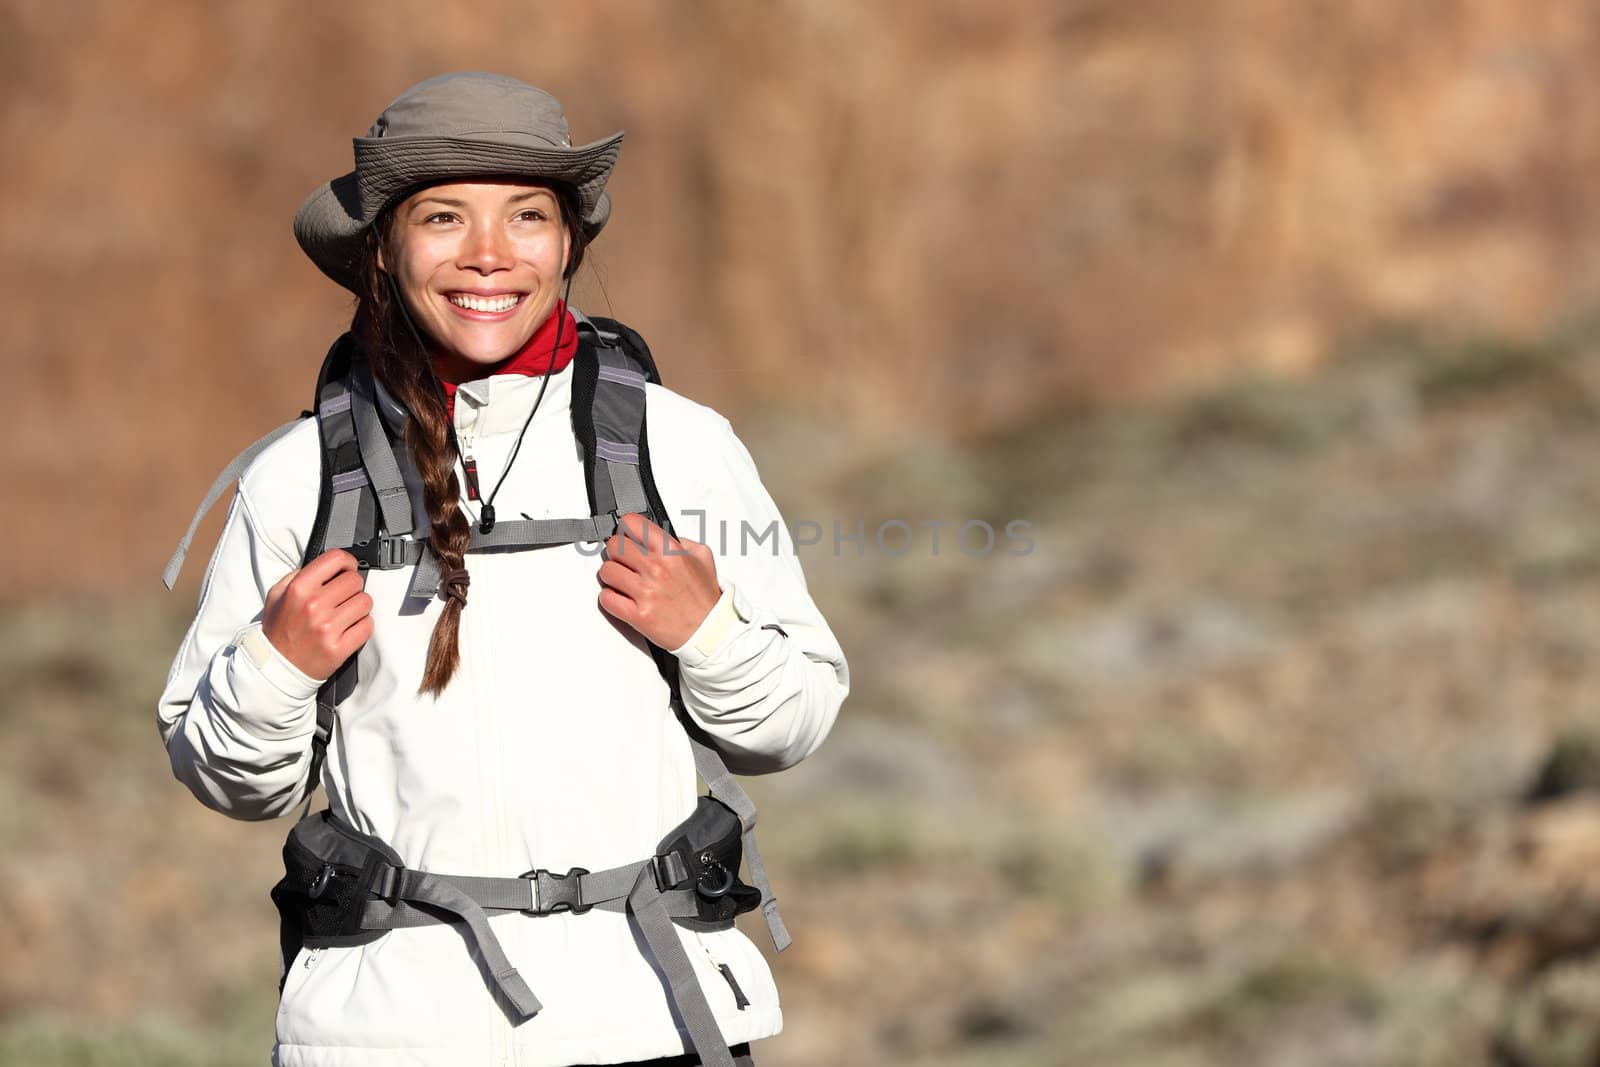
342,887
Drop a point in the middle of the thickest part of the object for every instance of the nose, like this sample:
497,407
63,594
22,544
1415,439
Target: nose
487,248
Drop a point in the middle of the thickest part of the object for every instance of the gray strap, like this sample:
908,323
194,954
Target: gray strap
616,451
382,915
425,579
531,533
429,889
378,458
627,488
521,894
710,766
606,890
342,516
349,480
519,533
622,376
769,903
649,913
229,475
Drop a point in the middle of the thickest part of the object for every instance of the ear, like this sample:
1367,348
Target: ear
383,266
566,249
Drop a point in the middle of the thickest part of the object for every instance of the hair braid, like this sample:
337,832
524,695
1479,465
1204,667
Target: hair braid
405,371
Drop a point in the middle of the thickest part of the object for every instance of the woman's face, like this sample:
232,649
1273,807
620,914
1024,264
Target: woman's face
479,264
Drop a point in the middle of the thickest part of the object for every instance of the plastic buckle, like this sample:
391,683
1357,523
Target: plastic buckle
557,892
670,871
382,553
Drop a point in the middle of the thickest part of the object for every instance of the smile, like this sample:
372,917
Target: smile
486,303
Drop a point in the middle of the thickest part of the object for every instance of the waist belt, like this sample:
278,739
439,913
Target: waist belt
342,887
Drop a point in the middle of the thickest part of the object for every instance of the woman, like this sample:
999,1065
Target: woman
517,719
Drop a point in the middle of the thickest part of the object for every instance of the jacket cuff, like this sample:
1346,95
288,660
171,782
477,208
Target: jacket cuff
715,629
285,705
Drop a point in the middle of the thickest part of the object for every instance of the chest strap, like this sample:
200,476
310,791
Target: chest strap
385,553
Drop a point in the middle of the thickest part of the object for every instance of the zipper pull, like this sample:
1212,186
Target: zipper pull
470,465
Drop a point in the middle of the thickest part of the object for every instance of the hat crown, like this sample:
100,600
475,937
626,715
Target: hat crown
474,104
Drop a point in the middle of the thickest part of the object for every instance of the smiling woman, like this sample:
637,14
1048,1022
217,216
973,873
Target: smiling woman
480,265
470,756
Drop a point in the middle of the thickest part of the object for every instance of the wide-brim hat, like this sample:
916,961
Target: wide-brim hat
452,127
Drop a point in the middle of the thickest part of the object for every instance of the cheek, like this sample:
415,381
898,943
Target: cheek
417,263
546,252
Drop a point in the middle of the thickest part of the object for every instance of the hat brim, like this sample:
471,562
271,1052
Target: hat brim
331,223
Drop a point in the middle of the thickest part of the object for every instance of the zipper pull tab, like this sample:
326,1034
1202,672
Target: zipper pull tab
486,519
470,465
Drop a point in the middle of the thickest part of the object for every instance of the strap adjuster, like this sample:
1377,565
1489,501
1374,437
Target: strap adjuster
382,553
557,892
670,871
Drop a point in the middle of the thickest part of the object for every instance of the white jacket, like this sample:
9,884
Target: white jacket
554,745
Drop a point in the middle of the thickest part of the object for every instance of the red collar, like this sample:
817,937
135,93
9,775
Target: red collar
532,359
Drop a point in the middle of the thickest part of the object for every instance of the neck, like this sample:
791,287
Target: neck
539,356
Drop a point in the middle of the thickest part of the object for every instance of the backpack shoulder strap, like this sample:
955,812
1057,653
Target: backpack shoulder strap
612,366
610,371
229,475
362,490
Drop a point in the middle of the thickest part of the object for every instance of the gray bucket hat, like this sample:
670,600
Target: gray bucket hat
454,126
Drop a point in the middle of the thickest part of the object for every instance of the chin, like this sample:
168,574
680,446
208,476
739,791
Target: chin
487,351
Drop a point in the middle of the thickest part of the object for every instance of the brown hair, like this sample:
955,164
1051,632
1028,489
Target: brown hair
386,339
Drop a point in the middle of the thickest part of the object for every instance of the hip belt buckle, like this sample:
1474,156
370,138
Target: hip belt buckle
557,892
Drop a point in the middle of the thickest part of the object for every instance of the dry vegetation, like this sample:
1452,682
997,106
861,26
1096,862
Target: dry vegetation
1281,746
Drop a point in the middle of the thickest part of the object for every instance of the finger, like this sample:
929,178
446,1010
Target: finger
642,531
624,549
618,606
359,633
330,563
341,588
682,546
350,612
624,580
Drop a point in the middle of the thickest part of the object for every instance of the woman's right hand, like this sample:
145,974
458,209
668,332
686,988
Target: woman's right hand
318,616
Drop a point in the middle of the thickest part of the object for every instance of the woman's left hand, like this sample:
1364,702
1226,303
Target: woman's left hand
661,586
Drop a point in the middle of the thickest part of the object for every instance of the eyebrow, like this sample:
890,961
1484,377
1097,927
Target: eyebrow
448,202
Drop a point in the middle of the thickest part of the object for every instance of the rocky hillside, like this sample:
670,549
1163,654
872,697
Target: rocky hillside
933,218
1279,747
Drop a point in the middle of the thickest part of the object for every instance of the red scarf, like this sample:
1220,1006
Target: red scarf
533,358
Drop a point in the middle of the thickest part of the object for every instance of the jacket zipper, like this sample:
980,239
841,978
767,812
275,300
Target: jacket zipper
740,1001
469,464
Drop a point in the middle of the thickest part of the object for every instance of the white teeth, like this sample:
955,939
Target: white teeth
485,303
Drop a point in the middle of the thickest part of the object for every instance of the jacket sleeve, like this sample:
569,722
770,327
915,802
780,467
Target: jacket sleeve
236,716
763,674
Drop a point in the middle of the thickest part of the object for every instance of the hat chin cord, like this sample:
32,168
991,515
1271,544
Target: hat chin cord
486,514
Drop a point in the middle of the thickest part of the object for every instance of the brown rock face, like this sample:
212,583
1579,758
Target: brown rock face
939,217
